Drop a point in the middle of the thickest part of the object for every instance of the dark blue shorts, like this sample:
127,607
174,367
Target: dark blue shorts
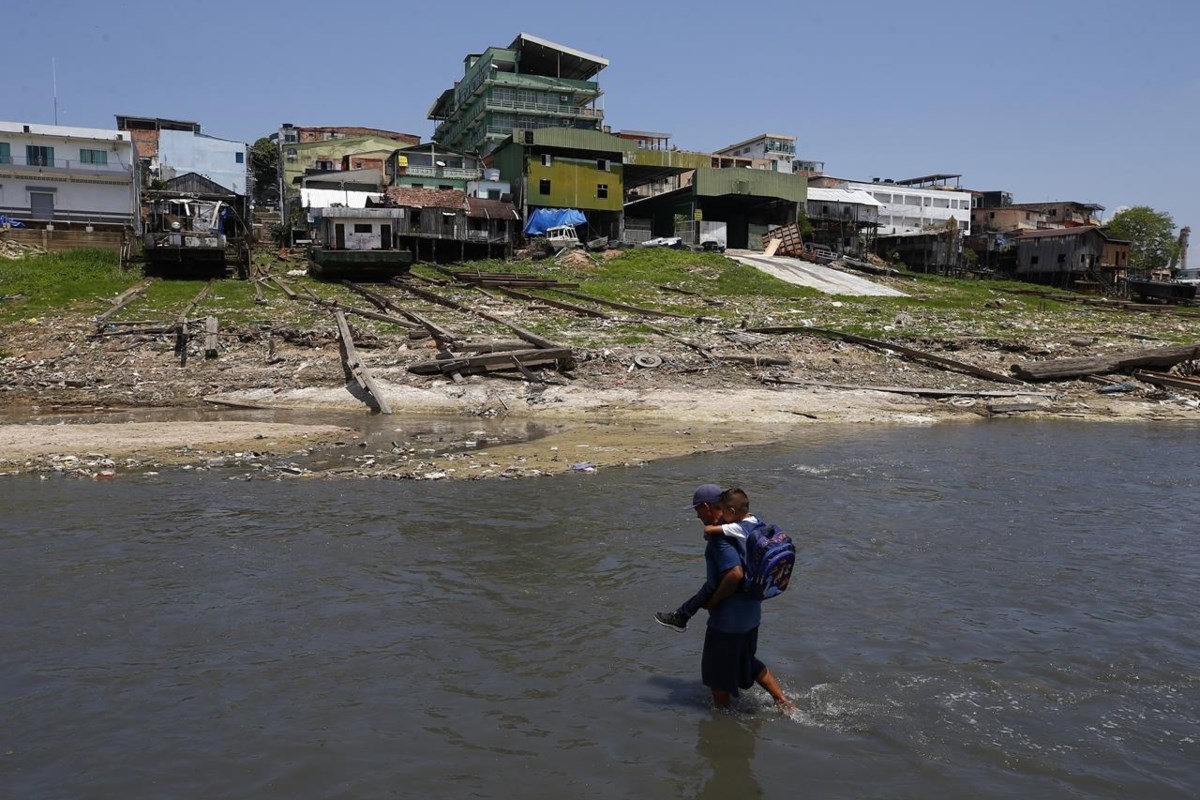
728,663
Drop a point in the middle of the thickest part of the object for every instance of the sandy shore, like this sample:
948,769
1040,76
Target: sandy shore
585,427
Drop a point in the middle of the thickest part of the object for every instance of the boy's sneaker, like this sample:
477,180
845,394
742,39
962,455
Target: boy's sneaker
672,619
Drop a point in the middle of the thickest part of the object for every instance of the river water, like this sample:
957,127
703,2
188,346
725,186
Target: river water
993,610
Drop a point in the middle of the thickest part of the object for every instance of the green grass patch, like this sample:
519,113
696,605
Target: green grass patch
60,281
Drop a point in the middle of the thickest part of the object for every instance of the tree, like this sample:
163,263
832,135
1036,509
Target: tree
1150,233
264,166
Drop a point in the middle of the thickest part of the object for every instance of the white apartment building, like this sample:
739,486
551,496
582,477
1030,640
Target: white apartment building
778,149
63,175
907,209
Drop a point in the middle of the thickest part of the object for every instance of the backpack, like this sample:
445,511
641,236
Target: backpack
770,558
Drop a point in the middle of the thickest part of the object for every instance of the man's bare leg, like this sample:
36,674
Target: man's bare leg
721,699
767,681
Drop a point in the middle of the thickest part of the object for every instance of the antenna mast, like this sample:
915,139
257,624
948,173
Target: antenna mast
54,78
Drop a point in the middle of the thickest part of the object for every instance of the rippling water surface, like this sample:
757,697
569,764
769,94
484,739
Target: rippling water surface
992,610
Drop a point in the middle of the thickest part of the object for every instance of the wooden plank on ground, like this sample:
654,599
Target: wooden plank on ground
923,392
123,299
772,246
565,306
1169,381
649,312
1062,368
915,355
529,336
354,363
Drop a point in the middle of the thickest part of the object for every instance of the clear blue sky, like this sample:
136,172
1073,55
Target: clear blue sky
1096,102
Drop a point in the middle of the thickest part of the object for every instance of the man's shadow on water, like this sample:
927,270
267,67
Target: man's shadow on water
726,743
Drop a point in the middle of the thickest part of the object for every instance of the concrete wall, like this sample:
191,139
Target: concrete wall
180,152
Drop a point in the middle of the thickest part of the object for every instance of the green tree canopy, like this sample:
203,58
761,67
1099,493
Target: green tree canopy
1151,234
264,166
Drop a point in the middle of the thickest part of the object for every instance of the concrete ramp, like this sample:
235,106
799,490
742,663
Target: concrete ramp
815,276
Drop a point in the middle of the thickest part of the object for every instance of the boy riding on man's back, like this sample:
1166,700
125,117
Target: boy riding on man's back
735,516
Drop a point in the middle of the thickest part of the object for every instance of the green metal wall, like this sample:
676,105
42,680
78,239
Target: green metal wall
573,183
757,182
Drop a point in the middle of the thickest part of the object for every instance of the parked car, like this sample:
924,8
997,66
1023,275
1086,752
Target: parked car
712,246
818,253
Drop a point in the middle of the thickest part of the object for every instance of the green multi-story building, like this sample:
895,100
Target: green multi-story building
531,84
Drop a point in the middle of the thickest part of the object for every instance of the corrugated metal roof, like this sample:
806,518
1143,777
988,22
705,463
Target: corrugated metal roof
856,196
411,197
483,208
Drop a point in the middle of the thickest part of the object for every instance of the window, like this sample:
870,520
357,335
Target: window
544,186
239,157
546,159
93,157
36,156
363,227
5,153
602,164
602,191
445,186
1062,258
418,186
291,154
1082,258
1033,261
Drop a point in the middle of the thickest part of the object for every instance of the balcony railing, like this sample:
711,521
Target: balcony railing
63,163
456,173
544,108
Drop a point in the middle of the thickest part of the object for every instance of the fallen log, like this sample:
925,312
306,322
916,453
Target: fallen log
432,297
915,355
504,360
1063,368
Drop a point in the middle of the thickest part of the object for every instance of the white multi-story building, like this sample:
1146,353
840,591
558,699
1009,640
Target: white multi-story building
58,174
905,208
777,149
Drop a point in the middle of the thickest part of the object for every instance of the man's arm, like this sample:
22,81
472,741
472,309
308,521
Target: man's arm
731,581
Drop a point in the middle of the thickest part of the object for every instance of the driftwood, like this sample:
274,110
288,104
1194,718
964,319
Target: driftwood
529,336
587,312
918,391
507,360
1062,368
355,366
915,355
125,298
648,312
1169,381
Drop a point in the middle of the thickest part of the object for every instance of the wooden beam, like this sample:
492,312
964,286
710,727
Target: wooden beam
529,298
354,364
1060,368
529,336
923,392
493,361
1169,381
210,337
915,355
123,299
649,312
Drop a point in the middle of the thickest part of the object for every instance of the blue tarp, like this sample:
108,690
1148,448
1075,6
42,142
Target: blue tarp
544,218
12,223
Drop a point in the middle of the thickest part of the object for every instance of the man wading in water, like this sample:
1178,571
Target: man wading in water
729,663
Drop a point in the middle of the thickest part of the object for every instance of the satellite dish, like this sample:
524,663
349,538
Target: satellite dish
440,163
